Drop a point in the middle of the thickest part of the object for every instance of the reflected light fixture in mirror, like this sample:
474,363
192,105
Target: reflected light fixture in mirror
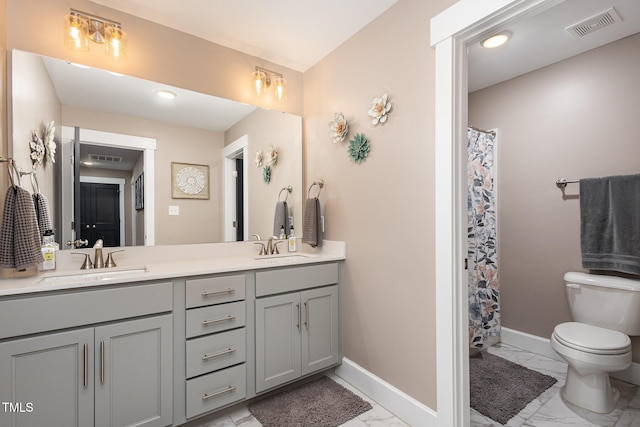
496,40
80,28
262,79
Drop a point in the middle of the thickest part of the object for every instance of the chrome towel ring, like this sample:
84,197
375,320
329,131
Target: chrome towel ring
320,184
288,190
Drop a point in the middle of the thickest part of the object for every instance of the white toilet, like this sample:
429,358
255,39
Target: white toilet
605,310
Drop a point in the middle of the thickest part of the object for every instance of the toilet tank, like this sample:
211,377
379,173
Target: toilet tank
607,301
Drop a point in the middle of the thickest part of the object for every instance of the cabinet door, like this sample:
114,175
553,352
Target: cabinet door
320,332
133,371
47,380
278,326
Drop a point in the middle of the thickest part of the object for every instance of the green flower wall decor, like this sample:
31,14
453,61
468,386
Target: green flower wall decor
266,174
359,148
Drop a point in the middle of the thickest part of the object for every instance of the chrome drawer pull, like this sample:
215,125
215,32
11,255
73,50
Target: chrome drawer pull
222,319
211,293
218,393
221,353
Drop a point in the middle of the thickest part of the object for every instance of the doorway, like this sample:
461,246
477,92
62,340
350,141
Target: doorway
102,210
236,191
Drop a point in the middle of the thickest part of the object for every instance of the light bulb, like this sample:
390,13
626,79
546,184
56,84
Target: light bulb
280,88
260,82
116,41
76,33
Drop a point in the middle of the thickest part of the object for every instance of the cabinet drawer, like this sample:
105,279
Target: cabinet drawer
215,390
217,318
53,311
213,352
294,279
215,290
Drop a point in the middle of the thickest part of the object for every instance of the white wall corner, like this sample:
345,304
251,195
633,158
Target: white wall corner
395,401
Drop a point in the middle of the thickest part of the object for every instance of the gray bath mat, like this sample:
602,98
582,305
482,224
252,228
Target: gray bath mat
500,388
321,403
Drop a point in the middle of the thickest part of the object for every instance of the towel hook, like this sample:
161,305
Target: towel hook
34,179
14,173
320,184
288,190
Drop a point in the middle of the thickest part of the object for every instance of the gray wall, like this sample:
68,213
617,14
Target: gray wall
574,119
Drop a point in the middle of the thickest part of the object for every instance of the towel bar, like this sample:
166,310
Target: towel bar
562,183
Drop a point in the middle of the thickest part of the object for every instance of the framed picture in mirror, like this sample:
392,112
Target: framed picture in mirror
189,181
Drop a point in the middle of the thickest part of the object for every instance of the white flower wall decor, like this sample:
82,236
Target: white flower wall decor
43,150
339,128
272,155
258,159
49,143
380,109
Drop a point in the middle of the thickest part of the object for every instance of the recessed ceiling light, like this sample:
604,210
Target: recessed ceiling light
75,64
87,163
166,94
496,40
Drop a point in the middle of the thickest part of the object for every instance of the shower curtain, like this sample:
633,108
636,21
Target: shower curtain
484,291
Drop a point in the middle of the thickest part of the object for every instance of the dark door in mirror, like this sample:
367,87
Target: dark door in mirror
100,213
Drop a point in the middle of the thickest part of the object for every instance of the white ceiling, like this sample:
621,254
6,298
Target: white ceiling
542,40
293,33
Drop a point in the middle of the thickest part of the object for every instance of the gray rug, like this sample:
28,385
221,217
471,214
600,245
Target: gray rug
321,403
500,388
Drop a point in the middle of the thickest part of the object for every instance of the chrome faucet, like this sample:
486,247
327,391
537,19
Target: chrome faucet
271,248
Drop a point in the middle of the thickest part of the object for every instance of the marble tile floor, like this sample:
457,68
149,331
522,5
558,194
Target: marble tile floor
550,410
241,417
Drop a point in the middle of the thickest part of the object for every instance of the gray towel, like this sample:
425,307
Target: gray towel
312,223
20,245
43,213
281,218
610,223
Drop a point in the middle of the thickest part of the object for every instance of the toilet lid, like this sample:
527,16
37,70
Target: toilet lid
592,339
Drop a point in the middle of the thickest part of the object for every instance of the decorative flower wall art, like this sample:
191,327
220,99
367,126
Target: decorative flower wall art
43,150
339,128
266,174
359,148
380,108
258,159
272,155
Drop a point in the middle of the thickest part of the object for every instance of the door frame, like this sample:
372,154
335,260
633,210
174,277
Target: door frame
120,182
464,23
108,139
238,148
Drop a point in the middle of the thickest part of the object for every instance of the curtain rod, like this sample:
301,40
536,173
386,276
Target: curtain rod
492,132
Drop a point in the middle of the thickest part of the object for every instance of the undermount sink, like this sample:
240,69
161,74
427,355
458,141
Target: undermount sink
90,276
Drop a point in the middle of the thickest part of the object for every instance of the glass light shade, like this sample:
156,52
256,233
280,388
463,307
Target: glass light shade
496,40
259,82
76,33
280,88
115,41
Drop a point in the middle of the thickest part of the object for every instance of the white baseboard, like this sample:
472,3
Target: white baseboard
542,346
395,401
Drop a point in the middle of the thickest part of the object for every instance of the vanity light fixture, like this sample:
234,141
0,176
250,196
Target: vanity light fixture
496,40
81,27
262,79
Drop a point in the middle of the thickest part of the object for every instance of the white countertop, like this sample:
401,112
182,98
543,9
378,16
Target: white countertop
138,264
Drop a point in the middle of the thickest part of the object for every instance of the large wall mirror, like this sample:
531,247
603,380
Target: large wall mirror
134,147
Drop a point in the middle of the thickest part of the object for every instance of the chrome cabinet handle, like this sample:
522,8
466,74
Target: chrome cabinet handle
102,362
86,366
220,353
306,314
211,293
218,393
299,316
222,319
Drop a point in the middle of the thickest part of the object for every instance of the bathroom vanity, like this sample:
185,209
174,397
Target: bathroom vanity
165,342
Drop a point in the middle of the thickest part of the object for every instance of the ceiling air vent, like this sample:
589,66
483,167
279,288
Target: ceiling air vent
105,158
594,23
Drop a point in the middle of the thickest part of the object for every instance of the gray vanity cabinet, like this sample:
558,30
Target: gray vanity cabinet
56,370
297,333
47,380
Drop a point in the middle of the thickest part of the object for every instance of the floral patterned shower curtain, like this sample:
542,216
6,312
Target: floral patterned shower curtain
484,291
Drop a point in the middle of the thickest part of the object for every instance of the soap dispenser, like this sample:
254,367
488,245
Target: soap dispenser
283,234
293,247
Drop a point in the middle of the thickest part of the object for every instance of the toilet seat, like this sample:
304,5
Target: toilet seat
592,339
